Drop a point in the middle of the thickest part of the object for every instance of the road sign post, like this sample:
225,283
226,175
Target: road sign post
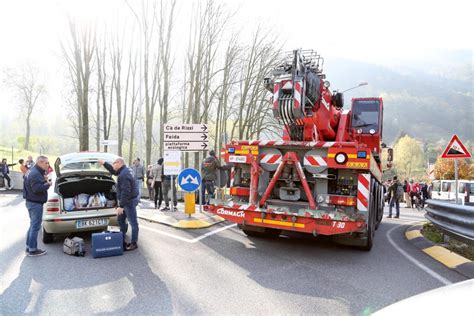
455,150
189,180
187,137
172,167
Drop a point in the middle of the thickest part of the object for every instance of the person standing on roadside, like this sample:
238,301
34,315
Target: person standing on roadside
209,175
35,192
5,170
29,163
157,173
139,172
406,193
23,167
149,182
166,188
396,192
127,197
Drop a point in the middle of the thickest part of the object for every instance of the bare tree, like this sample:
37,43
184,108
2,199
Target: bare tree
28,88
205,34
102,93
254,108
135,103
79,57
165,28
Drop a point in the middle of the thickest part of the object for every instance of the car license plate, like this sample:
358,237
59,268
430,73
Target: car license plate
92,222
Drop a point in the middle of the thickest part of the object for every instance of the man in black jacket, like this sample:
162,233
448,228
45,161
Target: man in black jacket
127,197
35,192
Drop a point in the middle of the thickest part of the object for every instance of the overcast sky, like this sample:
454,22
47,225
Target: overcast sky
382,32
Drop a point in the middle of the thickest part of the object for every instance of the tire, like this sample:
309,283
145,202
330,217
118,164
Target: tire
369,241
47,237
380,205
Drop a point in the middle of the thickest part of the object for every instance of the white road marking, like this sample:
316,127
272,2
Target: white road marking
416,262
194,240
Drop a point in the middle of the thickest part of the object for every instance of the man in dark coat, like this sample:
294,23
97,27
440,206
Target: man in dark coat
35,192
127,197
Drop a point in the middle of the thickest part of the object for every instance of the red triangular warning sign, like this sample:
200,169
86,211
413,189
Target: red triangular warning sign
455,149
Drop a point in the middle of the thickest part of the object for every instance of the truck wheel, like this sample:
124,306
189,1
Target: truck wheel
380,205
47,237
371,224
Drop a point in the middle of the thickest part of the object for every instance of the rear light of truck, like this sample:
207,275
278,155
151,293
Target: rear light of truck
326,199
238,191
341,200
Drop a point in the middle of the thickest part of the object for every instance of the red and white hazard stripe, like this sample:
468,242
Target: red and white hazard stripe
315,161
363,192
319,144
297,95
270,158
276,94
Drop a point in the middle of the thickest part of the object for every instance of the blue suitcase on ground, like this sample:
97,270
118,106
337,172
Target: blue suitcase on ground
107,244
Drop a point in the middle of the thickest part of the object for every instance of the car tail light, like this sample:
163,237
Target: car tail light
52,205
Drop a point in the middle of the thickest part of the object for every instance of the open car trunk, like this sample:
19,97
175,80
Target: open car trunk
82,193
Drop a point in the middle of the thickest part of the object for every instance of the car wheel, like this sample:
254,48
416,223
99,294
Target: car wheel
47,237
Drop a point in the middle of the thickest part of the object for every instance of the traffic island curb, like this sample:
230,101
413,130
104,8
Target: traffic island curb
448,258
196,221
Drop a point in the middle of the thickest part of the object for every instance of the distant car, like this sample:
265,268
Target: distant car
82,197
453,299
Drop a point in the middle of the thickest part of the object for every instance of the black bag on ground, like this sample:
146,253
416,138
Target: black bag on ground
74,247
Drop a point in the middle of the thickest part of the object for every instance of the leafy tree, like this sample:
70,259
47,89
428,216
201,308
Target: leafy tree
444,169
409,158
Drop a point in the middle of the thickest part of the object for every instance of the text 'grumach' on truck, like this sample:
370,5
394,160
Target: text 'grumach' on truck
324,177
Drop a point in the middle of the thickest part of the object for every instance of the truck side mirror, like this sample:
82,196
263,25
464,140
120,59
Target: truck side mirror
390,154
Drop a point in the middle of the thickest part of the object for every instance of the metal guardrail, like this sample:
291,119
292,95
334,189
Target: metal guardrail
454,220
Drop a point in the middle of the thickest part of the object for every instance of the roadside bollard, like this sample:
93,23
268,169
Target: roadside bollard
189,203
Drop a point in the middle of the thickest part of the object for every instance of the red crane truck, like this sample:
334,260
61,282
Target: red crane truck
324,177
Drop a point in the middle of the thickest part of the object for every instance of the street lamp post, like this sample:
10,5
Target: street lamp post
359,85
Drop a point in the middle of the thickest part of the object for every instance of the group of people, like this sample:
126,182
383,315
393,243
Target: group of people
25,166
414,194
159,185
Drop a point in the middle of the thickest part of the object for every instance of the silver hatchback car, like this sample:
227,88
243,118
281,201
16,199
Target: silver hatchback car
82,197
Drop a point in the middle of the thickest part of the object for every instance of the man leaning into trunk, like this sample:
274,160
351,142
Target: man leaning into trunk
127,197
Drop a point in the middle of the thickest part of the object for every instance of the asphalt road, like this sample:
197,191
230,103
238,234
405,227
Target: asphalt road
214,271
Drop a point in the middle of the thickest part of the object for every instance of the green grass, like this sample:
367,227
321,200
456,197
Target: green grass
6,152
431,233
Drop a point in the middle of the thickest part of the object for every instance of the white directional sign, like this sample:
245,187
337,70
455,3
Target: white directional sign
186,137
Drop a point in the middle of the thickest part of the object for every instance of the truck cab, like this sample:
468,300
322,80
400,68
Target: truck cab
367,123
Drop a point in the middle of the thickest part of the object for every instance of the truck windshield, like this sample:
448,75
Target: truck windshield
365,115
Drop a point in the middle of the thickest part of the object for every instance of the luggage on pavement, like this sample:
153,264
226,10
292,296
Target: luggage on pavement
107,244
74,246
